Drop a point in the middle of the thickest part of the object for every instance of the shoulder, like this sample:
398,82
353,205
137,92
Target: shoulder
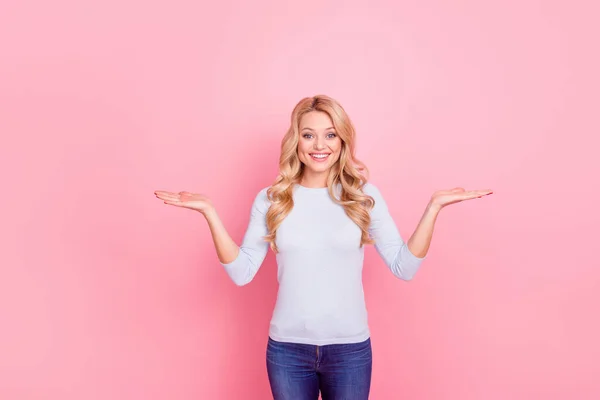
262,193
372,190
261,200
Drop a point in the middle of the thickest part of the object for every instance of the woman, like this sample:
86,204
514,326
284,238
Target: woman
316,217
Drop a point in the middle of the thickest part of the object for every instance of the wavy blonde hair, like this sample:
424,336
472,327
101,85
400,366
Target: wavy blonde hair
348,171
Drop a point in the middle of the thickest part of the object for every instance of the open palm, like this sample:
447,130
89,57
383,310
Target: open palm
189,200
443,198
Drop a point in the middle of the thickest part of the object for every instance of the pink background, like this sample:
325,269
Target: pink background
106,293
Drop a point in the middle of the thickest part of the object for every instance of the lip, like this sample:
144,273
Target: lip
319,159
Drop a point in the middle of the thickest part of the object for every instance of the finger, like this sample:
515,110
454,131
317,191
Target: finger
164,192
473,194
175,203
187,195
469,195
457,190
190,194
167,196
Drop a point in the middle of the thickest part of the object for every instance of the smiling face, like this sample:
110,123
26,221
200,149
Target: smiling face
319,145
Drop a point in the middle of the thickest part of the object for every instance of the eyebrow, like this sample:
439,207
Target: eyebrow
311,129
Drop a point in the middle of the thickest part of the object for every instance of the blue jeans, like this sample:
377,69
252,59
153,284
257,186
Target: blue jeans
340,371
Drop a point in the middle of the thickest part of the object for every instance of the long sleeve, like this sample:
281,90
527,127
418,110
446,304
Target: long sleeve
254,248
388,242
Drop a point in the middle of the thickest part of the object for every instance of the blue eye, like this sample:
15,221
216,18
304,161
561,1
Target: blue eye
328,136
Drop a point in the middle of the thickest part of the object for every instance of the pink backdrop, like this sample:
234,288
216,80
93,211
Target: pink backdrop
106,293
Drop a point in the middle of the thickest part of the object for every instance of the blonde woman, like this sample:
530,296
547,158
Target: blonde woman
317,216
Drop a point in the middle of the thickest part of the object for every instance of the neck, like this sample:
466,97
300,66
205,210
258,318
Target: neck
314,180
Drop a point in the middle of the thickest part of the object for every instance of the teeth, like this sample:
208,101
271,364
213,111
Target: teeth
320,155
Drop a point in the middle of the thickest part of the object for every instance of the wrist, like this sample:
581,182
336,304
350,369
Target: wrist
434,208
209,213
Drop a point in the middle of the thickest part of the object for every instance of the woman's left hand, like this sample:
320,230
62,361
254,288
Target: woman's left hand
442,198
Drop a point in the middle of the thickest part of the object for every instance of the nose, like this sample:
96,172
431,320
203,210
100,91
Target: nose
318,145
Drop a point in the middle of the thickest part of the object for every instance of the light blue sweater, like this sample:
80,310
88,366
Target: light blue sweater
320,298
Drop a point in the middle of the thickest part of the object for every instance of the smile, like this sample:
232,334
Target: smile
319,157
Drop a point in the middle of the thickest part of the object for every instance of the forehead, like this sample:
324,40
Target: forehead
316,120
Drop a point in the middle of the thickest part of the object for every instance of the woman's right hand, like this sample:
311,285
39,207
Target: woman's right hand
189,200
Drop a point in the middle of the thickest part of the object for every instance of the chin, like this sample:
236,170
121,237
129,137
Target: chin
319,168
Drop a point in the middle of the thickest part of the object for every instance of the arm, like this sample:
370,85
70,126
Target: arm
403,260
421,238
242,263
